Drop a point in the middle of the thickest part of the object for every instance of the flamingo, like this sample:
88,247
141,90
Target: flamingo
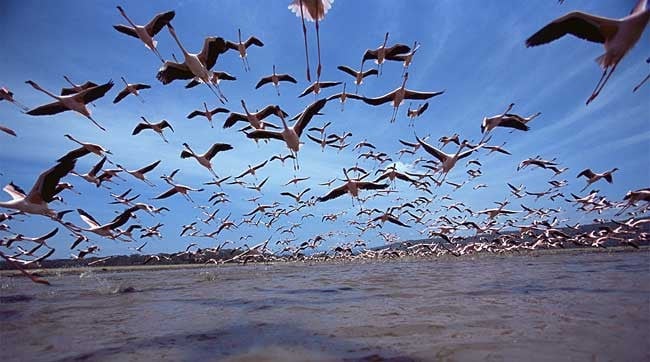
383,53
255,119
398,96
291,135
312,10
147,32
204,159
43,191
7,95
351,186
130,89
276,79
618,36
156,127
195,66
358,75
593,177
75,102
140,173
242,46
207,113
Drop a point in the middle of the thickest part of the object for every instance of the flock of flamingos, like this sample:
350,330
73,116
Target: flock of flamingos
525,229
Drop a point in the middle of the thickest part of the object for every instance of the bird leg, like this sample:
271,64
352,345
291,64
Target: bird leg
640,84
601,83
215,93
392,120
304,33
96,124
318,69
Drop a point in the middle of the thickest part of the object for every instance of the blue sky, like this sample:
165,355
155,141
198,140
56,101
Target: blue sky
476,53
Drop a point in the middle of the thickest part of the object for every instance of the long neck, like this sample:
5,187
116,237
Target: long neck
125,82
245,109
69,81
385,41
173,33
127,18
37,87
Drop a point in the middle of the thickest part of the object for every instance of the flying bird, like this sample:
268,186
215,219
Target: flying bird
276,79
147,32
73,102
618,36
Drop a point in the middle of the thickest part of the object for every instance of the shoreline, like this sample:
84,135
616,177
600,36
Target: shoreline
132,268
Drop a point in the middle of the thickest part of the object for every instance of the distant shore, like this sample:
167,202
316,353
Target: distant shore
131,268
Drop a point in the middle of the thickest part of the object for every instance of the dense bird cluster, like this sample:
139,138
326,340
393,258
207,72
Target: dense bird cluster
376,175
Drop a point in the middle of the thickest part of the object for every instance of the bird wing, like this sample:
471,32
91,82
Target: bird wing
307,115
97,167
14,191
171,71
219,110
158,22
69,91
371,185
125,92
94,93
432,150
234,118
348,70
286,78
395,50
408,144
263,81
225,76
334,193
88,219
139,128
260,133
423,108
396,221
585,26
587,172
409,94
217,147
253,41
148,168
369,54
370,72
186,154
512,122
329,84
7,130
48,109
140,86
166,194
164,124
307,90
212,48
124,29
45,187
194,114
74,154
267,111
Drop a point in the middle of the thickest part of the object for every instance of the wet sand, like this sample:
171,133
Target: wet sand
546,306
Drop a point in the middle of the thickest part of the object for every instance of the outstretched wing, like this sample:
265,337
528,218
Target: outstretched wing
584,26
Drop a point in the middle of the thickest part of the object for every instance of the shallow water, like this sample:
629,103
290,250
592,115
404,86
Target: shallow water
568,306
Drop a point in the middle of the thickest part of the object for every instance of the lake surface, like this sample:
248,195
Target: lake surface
568,306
